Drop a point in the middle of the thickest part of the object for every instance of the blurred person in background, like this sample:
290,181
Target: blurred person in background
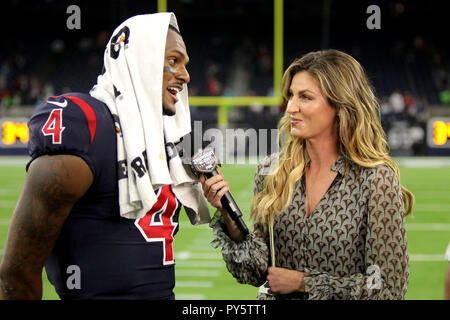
331,197
397,102
104,189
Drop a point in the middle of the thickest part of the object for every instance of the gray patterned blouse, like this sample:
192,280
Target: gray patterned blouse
353,246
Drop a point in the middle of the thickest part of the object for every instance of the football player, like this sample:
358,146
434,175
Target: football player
67,217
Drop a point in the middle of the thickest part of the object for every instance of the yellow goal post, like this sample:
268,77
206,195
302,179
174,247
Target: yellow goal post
223,101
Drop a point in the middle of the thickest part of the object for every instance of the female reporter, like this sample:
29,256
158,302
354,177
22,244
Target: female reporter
331,195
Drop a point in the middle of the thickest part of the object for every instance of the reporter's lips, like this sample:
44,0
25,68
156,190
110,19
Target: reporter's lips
295,121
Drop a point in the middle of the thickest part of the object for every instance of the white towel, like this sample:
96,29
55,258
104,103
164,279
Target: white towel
131,87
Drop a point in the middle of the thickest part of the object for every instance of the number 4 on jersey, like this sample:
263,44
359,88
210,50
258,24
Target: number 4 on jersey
160,223
53,126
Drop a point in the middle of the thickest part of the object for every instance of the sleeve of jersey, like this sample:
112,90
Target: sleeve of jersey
60,128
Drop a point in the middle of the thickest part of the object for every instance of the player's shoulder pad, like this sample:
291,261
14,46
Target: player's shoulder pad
74,108
62,124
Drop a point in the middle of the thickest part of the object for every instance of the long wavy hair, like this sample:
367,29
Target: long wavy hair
361,137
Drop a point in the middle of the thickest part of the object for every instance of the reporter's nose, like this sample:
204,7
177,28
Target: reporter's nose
292,107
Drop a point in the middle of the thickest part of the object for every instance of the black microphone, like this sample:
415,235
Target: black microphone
205,162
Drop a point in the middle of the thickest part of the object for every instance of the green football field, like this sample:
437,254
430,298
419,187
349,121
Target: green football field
201,273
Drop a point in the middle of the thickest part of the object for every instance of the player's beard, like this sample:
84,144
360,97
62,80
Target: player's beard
168,111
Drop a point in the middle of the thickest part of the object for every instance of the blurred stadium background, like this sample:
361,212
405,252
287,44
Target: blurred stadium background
238,50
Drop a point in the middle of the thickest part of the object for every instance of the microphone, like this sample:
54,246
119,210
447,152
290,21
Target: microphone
205,162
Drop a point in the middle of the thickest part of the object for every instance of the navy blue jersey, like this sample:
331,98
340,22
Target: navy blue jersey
100,255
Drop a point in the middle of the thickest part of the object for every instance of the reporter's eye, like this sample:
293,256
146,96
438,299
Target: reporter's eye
305,97
289,94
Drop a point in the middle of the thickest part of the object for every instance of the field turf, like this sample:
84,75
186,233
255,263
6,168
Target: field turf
201,273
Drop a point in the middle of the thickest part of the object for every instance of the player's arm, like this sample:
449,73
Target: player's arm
53,185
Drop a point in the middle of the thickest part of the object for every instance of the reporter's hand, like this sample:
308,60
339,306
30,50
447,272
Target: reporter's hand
284,281
214,188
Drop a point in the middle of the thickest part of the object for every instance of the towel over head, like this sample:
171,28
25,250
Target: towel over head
131,87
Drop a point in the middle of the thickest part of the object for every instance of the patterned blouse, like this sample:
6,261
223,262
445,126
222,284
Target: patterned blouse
353,246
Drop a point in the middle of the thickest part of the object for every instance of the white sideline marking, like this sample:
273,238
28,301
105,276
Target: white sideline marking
207,256
7,192
412,162
412,257
200,264
184,255
187,225
4,222
428,227
196,273
190,297
432,207
14,161
7,204
423,162
194,284
433,194
427,257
